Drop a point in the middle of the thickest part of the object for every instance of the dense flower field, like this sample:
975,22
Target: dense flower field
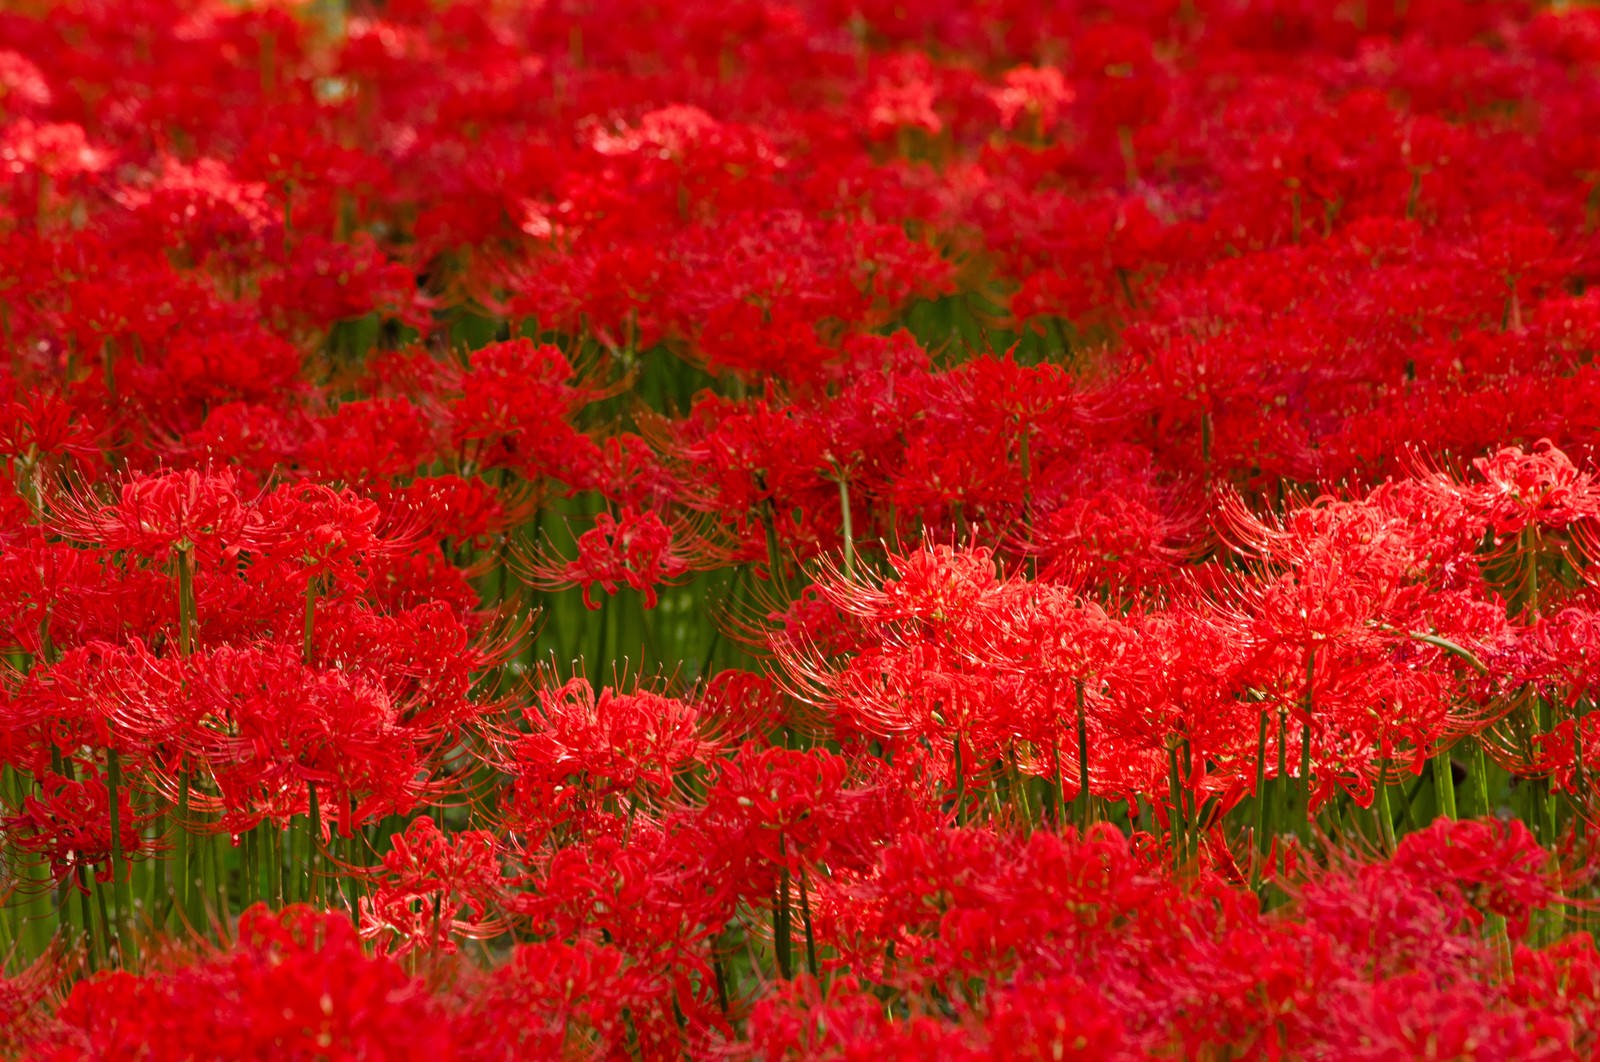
776,529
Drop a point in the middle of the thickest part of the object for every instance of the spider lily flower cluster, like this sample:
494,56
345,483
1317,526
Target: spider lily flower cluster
802,530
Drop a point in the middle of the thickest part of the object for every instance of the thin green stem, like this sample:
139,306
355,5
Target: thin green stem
1061,791
275,866
307,651
961,784
1280,810
846,530
249,869
1580,775
1384,810
1263,840
782,936
805,918
220,845
121,900
186,600
92,945
314,889
33,913
1478,777
1019,788
1530,557
1179,827
182,851
105,931
1083,761
1305,740
159,898
1444,786
774,551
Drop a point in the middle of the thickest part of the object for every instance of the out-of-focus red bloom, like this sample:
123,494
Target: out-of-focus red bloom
370,439
1038,94
1495,867
25,1022
554,1000
296,984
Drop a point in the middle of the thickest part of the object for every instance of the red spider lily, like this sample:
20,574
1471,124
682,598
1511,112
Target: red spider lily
1521,489
1129,86
930,893
558,1000
755,464
513,413
45,425
1572,963
635,476
851,271
265,370
1055,1018
26,82
844,1020
1117,531
253,439
1097,295
323,537
760,344
1562,753
370,439
423,655
229,221
47,160
774,809
954,654
1519,252
297,296
648,897
1496,867
1556,657
1363,634
1185,686
586,751
403,581
1085,257
469,511
298,980
25,1023
677,162
69,825
158,514
902,97
432,888
41,580
740,706
1451,1020
636,549
1035,94
262,728
64,707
